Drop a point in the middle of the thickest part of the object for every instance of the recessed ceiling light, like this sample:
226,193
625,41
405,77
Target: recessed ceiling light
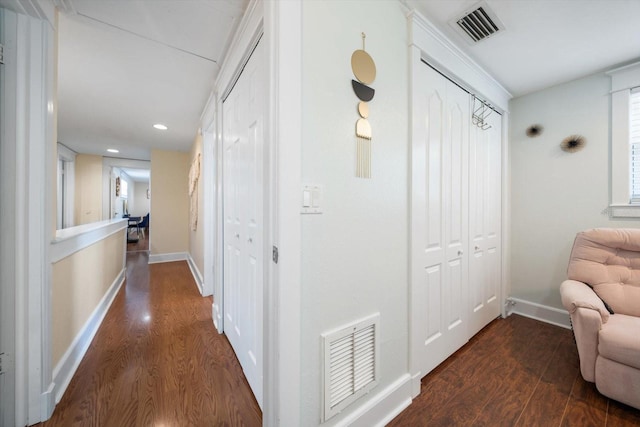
113,150
160,126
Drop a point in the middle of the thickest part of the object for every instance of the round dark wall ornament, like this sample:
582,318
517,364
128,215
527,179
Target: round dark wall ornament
534,130
573,143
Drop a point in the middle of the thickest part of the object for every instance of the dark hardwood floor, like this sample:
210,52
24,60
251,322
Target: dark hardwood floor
515,372
157,360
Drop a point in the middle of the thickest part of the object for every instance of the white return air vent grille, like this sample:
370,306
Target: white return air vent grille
478,23
350,364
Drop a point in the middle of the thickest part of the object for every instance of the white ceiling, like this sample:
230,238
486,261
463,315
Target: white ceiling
124,66
127,65
138,175
546,42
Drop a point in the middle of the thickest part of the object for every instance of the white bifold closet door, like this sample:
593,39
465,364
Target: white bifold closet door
485,166
243,192
440,215
455,207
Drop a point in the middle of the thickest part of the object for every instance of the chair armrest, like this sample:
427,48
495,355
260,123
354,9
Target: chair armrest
588,314
576,295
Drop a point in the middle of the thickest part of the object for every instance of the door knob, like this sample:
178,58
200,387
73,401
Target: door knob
250,240
237,236
460,253
477,248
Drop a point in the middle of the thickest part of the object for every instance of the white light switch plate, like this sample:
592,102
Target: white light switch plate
312,199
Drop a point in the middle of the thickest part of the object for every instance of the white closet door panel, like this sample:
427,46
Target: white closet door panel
433,282
432,164
456,168
455,179
231,226
243,180
454,295
439,215
485,223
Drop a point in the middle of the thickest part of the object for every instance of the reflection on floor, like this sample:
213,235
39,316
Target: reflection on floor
141,245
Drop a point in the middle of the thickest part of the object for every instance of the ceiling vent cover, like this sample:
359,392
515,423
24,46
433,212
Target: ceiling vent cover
478,23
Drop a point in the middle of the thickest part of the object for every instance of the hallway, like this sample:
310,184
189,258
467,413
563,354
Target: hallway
157,360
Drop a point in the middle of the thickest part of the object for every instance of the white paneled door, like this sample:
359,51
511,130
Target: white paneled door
485,223
455,219
243,192
439,216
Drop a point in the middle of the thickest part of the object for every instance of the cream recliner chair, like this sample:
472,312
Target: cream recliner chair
602,296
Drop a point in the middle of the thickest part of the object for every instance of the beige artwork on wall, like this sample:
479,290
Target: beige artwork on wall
194,176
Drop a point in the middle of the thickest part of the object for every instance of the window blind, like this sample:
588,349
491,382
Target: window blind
634,140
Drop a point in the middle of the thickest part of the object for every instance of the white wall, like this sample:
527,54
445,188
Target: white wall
556,194
130,197
141,207
354,255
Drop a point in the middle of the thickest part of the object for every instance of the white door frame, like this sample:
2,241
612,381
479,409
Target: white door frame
30,135
279,23
65,211
209,169
108,163
428,43
8,227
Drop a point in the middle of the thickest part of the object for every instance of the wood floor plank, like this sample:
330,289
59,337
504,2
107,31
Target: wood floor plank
621,415
505,405
548,402
516,371
586,407
157,360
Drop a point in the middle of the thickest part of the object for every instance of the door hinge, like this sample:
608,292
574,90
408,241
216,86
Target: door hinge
4,363
275,254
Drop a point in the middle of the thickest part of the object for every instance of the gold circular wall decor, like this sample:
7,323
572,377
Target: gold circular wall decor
534,130
573,143
363,66
363,109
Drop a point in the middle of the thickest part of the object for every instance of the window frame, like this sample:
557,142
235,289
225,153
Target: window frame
634,146
66,179
623,80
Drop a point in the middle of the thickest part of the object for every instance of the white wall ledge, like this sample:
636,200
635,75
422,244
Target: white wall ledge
624,211
73,239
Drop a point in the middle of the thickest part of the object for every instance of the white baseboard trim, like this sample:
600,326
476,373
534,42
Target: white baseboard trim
196,274
175,256
64,370
48,402
383,407
416,384
215,315
536,311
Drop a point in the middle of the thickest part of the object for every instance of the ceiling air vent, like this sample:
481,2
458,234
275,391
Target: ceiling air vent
478,23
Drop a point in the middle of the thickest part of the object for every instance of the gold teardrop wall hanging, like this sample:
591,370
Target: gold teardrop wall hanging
364,69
